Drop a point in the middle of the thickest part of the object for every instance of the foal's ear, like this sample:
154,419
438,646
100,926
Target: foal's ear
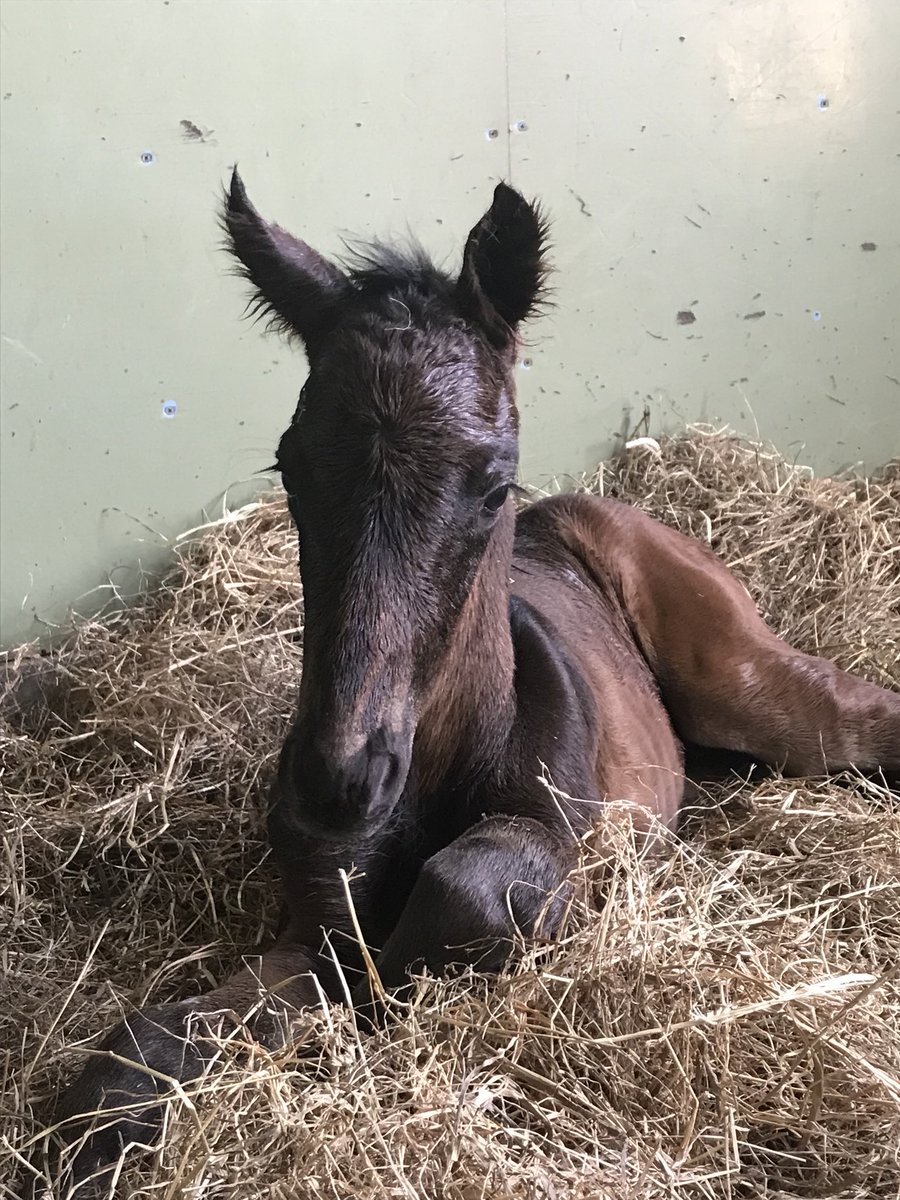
294,287
504,266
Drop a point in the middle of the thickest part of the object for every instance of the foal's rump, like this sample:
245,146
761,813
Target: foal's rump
727,681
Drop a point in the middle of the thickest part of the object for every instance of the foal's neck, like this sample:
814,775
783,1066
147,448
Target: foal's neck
469,709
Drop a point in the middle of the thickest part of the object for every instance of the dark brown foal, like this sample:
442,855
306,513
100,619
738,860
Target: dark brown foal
453,653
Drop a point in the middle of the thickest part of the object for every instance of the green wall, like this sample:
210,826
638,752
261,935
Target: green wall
726,160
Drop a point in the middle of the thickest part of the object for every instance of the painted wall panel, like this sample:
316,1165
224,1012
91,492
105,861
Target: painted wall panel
736,163
680,146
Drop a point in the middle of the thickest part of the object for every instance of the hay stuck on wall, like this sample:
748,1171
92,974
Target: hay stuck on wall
727,1026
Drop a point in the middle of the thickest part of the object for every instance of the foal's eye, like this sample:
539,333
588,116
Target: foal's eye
494,500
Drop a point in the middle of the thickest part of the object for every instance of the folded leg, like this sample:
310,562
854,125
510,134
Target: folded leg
474,898
727,680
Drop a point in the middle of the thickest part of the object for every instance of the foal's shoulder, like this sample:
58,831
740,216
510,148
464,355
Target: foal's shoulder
556,517
565,539
608,537
585,515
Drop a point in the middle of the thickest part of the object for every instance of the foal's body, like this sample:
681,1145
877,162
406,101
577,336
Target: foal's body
457,657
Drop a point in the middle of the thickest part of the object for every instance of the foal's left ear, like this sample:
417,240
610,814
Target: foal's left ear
504,266
294,286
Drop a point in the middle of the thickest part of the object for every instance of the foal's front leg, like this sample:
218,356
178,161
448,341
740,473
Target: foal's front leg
116,1101
473,898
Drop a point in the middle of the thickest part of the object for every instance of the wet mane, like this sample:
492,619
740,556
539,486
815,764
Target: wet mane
375,268
387,277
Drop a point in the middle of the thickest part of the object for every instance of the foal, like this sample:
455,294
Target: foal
452,648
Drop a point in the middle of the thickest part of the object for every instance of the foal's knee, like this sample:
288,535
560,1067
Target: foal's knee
477,895
511,863
470,916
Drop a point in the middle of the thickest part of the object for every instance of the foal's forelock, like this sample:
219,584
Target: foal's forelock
442,377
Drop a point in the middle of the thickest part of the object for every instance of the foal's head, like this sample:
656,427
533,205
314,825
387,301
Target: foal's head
398,465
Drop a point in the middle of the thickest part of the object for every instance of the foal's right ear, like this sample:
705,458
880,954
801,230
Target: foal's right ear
504,266
295,288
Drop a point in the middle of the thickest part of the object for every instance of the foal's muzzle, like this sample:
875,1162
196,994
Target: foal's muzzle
332,791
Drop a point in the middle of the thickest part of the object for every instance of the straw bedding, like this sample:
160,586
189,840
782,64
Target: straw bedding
728,1025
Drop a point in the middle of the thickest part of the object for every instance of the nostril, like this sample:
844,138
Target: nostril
387,769
381,777
391,771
